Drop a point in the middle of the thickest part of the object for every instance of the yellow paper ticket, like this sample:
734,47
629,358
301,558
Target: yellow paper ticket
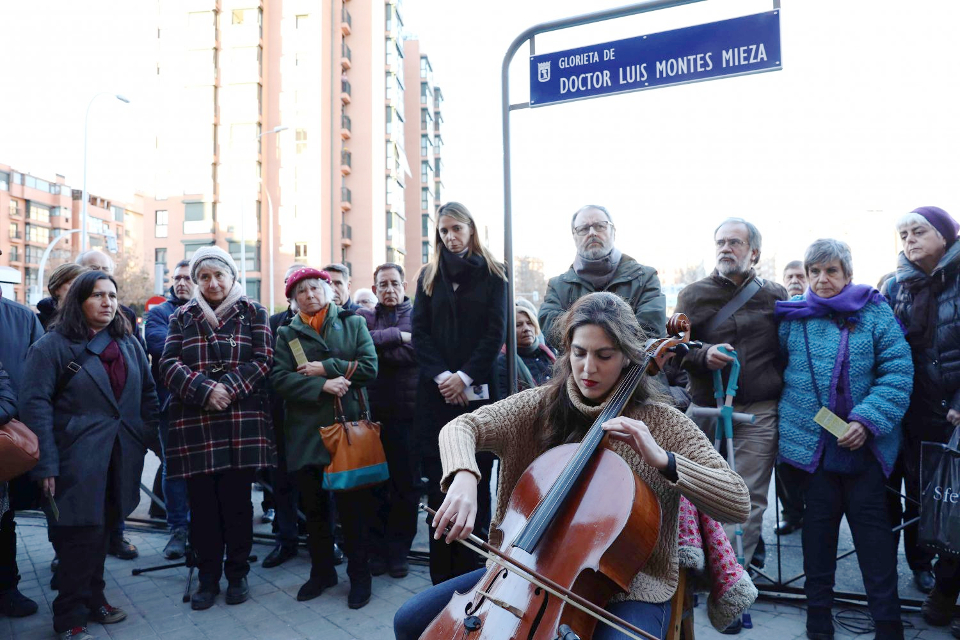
298,353
831,422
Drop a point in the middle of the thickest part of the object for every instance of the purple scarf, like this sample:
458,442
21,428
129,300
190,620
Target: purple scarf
849,301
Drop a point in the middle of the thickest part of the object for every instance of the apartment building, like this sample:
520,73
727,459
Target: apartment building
34,212
423,100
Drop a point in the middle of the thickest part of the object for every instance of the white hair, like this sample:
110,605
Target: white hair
327,289
913,218
89,252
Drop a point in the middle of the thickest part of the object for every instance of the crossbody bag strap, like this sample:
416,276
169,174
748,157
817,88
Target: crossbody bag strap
91,348
733,305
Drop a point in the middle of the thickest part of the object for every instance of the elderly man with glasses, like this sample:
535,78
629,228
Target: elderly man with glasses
600,266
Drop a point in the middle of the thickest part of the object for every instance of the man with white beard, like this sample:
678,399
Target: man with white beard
733,308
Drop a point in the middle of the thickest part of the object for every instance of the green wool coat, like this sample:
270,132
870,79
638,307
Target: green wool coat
344,339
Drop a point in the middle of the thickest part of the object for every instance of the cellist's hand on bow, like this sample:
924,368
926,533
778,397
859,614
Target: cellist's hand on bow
638,436
459,508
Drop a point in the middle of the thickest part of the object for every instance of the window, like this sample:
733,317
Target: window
13,208
425,253
4,181
426,171
300,250
303,21
190,248
14,253
34,254
14,231
197,217
38,234
424,145
31,277
253,289
301,141
160,230
160,256
117,213
426,225
252,255
38,212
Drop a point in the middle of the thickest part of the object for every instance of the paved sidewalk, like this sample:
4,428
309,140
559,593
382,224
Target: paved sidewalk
154,607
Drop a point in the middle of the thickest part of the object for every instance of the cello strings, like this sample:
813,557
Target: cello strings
526,575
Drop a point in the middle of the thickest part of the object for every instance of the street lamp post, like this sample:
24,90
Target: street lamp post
35,295
276,129
86,123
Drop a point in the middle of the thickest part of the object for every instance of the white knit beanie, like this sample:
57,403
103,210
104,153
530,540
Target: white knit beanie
215,254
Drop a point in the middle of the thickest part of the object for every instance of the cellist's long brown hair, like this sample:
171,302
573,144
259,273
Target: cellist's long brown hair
563,423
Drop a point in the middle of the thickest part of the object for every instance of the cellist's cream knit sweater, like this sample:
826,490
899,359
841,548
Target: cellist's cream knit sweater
509,429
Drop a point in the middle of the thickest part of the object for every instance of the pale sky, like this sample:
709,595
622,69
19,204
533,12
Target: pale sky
859,126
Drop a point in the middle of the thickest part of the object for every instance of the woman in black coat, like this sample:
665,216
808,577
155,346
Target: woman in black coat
925,296
93,405
459,321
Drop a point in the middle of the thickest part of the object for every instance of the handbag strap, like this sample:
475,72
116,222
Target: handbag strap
733,305
341,416
92,348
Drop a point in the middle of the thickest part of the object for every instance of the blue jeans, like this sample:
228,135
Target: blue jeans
862,498
420,610
175,490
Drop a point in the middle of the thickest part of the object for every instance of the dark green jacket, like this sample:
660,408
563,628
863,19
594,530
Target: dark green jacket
634,282
345,338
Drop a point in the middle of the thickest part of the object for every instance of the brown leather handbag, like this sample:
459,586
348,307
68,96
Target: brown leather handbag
357,459
19,450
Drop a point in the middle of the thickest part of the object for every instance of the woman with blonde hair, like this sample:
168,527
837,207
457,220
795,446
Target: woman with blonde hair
458,328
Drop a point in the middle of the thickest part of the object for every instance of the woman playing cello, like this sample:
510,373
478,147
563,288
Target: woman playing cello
601,340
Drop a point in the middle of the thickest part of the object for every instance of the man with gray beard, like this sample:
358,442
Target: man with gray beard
733,308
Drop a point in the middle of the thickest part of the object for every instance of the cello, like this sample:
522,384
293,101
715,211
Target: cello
578,527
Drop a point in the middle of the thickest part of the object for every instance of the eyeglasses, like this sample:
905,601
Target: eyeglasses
601,227
735,243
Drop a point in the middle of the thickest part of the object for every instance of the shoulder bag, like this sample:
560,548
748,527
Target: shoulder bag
357,459
19,450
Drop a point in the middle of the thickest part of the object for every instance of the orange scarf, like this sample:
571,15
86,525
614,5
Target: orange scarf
315,321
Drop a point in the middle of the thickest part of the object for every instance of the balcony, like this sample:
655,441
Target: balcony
346,234
346,22
346,199
346,127
345,92
346,58
345,162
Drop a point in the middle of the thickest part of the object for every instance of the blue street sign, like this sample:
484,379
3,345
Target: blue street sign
735,47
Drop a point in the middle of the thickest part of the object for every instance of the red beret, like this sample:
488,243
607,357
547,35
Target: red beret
306,273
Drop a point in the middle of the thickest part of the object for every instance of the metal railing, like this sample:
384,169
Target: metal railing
346,231
345,158
345,87
345,17
345,122
346,195
345,51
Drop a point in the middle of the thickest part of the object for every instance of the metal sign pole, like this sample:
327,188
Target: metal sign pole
506,108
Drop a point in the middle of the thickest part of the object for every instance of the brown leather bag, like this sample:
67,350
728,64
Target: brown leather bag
19,450
357,459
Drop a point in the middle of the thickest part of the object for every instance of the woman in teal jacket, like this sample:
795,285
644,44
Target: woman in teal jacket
846,353
336,357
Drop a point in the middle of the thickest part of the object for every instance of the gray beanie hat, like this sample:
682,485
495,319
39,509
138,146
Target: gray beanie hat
215,254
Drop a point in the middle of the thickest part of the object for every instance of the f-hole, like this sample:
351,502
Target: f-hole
543,609
472,607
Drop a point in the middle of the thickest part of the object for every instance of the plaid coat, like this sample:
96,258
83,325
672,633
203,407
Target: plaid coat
196,356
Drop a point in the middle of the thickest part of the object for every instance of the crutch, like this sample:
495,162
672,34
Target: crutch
725,416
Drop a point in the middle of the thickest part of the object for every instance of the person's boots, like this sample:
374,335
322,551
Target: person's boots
938,609
320,580
358,569
14,604
819,623
888,629
955,628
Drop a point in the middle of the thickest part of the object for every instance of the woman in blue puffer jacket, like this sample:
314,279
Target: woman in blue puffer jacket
846,352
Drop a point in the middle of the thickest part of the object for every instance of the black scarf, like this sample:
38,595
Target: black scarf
923,317
598,272
460,268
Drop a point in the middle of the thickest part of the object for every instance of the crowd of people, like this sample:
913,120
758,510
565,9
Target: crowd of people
227,395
